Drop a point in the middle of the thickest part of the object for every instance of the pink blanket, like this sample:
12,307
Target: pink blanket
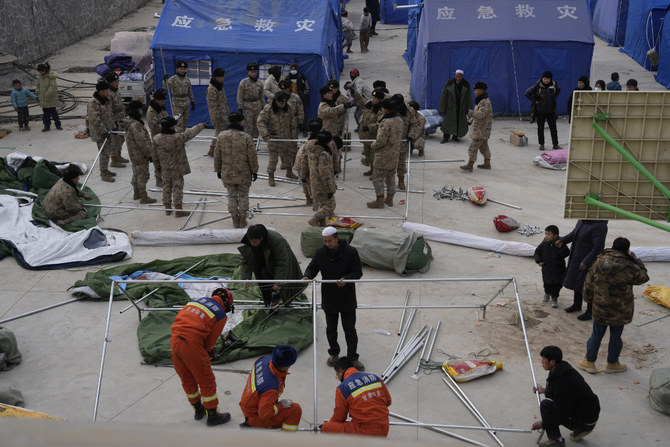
556,156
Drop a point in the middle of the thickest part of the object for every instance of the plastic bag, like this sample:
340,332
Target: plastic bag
477,195
343,222
471,369
505,224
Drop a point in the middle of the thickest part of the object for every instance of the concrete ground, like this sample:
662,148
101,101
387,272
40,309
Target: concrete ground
61,348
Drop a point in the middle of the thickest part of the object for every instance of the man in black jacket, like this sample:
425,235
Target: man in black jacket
570,401
543,98
337,260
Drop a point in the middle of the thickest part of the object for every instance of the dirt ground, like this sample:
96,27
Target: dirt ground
62,347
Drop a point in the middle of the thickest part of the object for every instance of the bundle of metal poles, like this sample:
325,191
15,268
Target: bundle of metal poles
403,354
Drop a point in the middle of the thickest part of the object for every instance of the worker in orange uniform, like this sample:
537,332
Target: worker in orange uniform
194,333
363,396
260,401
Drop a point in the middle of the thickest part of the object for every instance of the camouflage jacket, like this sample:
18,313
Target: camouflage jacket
609,286
418,129
321,175
332,117
250,95
235,157
296,106
116,102
154,118
99,115
277,125
369,119
172,152
137,140
301,163
387,144
180,87
481,120
218,107
61,201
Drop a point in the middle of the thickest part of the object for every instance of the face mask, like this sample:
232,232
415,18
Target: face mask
294,72
597,89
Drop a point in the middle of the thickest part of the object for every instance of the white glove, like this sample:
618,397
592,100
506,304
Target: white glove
286,403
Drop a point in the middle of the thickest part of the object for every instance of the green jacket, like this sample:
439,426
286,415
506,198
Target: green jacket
279,260
454,120
47,90
609,286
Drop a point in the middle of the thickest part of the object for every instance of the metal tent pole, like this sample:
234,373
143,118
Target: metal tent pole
423,351
104,350
525,339
97,157
432,343
42,309
404,311
438,430
464,427
314,349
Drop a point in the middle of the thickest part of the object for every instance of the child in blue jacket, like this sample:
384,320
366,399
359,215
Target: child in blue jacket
20,102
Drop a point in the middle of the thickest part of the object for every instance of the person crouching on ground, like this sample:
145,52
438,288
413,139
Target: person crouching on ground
260,400
60,204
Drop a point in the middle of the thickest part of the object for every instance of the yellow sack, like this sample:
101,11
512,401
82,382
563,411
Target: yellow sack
471,369
659,295
9,411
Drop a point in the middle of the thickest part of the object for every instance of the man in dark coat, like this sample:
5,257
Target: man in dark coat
455,101
375,11
588,239
582,84
267,255
543,95
570,401
609,287
337,260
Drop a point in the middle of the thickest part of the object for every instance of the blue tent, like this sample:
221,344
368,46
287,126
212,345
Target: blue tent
609,21
521,41
229,34
663,75
413,16
394,16
643,31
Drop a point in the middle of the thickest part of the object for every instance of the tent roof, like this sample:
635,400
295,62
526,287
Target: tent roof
235,26
536,20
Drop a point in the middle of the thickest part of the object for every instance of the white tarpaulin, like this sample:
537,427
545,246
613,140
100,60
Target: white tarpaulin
38,247
469,240
190,237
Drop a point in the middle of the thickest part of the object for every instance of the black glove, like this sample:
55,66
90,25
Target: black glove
410,139
218,175
365,129
348,104
330,195
166,77
106,135
116,126
254,176
192,105
301,127
241,111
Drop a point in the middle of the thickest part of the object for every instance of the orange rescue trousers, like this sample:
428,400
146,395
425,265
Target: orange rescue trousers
194,367
286,418
359,428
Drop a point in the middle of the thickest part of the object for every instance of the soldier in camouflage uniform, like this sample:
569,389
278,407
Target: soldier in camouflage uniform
339,99
60,204
250,99
321,179
369,122
295,103
118,115
174,162
481,122
100,124
408,117
217,105
386,147
140,150
182,94
155,114
417,133
609,287
277,121
236,164
332,114
302,160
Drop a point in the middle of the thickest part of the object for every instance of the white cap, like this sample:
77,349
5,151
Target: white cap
328,231
460,71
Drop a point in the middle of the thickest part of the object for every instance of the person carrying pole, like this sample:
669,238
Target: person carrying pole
365,397
194,334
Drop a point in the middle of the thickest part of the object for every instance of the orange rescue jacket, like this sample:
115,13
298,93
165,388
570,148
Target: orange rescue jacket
201,321
264,387
362,395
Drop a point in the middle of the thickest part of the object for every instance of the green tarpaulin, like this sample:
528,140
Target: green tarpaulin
258,332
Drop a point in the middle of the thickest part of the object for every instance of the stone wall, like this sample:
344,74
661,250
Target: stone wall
34,29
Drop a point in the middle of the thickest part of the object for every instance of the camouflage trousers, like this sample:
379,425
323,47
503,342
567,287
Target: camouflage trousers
419,144
183,110
217,131
115,144
173,188
250,118
324,206
140,178
402,159
367,150
381,176
307,189
67,220
479,145
103,161
238,198
157,166
283,150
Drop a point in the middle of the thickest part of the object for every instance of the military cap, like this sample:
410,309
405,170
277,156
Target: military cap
181,64
252,66
101,85
218,72
236,117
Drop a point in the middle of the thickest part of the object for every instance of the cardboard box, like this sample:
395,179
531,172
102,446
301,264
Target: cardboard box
518,140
